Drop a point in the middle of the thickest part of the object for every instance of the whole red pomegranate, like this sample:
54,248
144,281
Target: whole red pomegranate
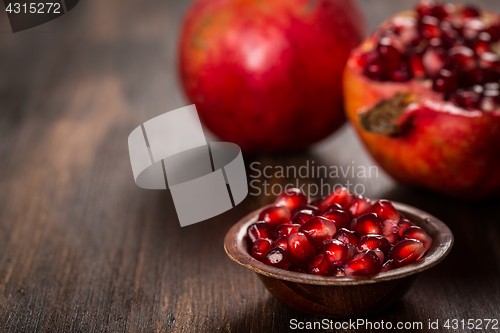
423,94
267,75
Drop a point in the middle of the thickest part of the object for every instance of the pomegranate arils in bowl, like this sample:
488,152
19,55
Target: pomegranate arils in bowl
320,241
307,266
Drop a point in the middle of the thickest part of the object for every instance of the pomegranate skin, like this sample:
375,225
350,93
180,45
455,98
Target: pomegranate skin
261,72
441,146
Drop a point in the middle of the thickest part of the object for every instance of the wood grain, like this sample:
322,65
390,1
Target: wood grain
82,249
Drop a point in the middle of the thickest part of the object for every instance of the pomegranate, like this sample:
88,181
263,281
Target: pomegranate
377,241
423,94
259,72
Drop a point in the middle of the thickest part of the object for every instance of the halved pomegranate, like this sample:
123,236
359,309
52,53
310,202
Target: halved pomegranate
423,93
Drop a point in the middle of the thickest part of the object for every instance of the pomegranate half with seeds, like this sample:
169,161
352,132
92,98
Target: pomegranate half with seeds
382,239
423,93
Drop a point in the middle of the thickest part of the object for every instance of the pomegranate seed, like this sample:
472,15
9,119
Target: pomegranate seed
390,231
429,27
261,247
417,65
257,230
291,198
403,225
433,61
483,43
339,196
468,99
359,206
407,251
339,217
387,266
282,242
472,27
319,266
418,233
445,81
318,229
385,210
489,60
370,242
375,70
369,224
277,257
469,11
300,249
425,8
346,237
379,254
365,263
274,216
332,207
387,48
286,229
335,252
462,57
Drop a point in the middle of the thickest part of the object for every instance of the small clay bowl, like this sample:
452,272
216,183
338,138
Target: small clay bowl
345,296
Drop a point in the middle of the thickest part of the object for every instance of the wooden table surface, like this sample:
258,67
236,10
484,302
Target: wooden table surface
83,249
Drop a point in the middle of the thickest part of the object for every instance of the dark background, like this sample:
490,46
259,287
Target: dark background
83,249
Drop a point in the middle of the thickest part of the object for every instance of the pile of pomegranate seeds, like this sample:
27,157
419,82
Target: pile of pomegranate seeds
342,234
455,46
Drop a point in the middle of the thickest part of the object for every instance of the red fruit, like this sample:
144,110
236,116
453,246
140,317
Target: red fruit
258,230
291,198
346,237
259,73
339,217
318,229
282,241
261,247
387,266
385,210
418,233
352,251
353,225
274,216
300,249
406,125
407,251
340,196
390,230
319,266
403,225
365,263
278,257
359,206
370,242
335,252
369,224
286,229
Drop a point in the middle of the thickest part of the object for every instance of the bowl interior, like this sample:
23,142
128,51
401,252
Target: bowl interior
236,246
